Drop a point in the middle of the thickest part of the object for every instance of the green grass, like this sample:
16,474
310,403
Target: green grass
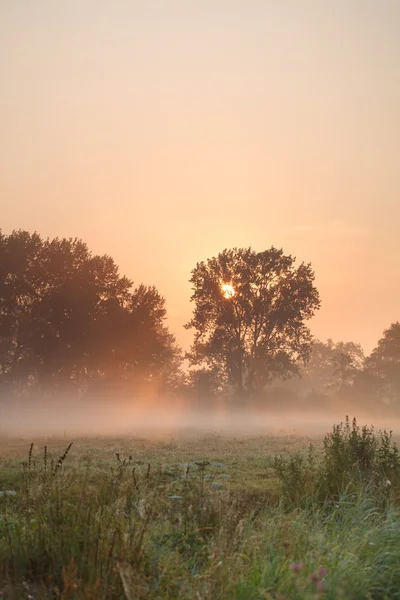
158,522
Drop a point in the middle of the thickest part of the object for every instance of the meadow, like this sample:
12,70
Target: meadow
200,517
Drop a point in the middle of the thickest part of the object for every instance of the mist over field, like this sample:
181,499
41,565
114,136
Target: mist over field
199,300
163,419
85,352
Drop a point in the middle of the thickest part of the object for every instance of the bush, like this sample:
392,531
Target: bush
352,457
298,477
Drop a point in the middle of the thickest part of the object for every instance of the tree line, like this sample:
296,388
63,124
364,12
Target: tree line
70,321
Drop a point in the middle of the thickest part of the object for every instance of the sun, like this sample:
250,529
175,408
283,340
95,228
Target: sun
228,290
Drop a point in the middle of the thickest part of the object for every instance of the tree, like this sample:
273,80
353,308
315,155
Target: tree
131,346
348,361
68,318
249,316
333,366
204,382
382,367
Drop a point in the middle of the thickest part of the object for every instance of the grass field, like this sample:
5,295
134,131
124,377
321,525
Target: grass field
208,517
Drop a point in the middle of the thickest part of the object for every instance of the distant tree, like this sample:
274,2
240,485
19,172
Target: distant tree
348,361
204,382
382,368
68,318
249,316
174,379
333,366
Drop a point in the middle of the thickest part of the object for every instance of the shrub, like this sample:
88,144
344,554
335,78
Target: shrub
298,477
351,457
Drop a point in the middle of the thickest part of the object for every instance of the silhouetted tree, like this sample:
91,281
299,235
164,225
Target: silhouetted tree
132,345
333,366
382,368
249,316
348,361
204,382
68,317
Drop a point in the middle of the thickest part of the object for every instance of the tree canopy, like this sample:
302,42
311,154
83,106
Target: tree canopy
249,317
67,317
70,321
333,365
382,367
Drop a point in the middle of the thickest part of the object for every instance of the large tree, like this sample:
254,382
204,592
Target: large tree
67,317
250,316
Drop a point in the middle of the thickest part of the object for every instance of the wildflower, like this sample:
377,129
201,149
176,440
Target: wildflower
216,485
297,567
317,578
320,585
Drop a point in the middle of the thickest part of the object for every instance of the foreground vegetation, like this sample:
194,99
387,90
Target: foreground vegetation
207,518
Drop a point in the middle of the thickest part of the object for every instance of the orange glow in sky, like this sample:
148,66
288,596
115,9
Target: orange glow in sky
163,132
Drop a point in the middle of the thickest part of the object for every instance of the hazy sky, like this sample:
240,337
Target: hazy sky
162,132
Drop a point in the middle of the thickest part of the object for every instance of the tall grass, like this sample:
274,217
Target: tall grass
73,529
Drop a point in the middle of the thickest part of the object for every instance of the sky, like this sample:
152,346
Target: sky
163,131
